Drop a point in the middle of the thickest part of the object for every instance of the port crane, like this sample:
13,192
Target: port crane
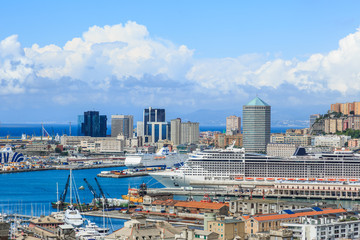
93,191
63,194
102,193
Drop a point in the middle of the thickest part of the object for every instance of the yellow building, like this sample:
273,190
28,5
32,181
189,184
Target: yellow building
227,229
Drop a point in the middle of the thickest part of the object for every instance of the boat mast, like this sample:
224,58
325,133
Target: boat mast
70,187
57,196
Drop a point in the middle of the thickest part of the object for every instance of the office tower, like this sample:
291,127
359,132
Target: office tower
256,125
139,129
175,135
157,131
313,118
152,115
233,125
92,124
190,132
122,125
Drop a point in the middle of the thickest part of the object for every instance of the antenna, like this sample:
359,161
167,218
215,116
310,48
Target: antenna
69,128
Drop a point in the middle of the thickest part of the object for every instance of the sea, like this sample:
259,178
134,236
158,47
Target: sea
16,130
31,193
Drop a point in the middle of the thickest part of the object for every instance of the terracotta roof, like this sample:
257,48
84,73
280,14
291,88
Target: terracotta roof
295,215
202,205
168,202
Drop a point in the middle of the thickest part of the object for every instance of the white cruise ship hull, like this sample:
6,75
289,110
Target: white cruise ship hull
152,160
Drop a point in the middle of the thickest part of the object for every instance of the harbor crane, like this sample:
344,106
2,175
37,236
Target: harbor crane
63,194
102,193
93,191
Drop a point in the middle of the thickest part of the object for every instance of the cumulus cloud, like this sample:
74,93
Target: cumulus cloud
124,62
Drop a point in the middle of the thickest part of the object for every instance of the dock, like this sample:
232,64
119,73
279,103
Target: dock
136,174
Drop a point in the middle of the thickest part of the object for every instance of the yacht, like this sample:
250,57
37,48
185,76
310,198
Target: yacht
72,215
91,232
235,164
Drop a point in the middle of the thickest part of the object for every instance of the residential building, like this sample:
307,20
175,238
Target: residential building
92,124
297,140
122,125
346,108
138,228
195,234
227,228
353,143
264,223
233,125
175,126
313,118
223,140
328,227
190,132
331,140
256,125
281,149
268,206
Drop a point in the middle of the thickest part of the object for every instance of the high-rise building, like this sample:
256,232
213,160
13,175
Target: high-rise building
152,115
122,125
256,125
92,124
176,131
313,118
233,125
139,129
157,131
190,132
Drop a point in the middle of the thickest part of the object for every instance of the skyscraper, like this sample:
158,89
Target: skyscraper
256,125
152,115
92,124
233,125
176,131
122,125
190,132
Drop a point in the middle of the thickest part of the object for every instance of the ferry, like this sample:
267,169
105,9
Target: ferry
163,158
235,164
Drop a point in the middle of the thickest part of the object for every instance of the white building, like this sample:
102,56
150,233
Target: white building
329,228
280,149
331,140
233,125
95,144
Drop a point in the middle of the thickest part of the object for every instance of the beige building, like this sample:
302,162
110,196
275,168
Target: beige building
190,132
266,223
95,144
233,125
175,134
122,125
297,140
281,149
228,229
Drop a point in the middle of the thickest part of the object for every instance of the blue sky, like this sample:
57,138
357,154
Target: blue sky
201,60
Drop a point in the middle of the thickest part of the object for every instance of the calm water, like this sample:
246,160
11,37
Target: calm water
32,192
16,130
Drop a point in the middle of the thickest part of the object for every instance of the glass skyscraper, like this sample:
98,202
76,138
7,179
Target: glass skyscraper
152,115
256,125
92,124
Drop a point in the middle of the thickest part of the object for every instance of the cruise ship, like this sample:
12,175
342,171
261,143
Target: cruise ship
8,156
215,165
163,158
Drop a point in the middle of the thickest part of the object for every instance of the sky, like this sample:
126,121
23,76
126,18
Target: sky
200,60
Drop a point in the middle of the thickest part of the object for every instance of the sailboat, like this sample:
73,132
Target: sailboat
72,215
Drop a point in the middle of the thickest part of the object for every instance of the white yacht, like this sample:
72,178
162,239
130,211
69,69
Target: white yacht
216,165
90,232
72,215
163,158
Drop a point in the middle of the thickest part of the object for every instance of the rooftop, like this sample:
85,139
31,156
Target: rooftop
295,215
257,102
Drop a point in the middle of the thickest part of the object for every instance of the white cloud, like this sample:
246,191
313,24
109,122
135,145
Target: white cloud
126,60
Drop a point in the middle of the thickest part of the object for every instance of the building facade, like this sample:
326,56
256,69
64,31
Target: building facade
190,132
92,124
176,131
122,125
256,125
233,125
152,115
